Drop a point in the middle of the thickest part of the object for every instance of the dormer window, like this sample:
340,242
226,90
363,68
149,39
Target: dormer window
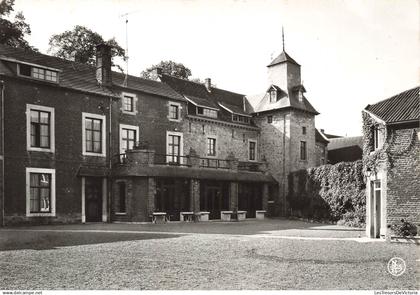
38,73
273,95
206,112
240,119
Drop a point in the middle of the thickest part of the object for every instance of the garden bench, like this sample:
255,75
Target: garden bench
159,217
260,214
241,215
186,216
226,215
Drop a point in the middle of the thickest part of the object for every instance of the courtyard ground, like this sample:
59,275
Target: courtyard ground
273,254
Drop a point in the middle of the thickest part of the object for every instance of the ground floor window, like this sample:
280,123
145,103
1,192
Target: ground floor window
40,192
172,196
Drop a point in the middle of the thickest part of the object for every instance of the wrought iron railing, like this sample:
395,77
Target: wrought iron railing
173,160
214,163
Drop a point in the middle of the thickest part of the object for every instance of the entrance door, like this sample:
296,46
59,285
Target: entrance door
249,198
93,199
375,208
212,201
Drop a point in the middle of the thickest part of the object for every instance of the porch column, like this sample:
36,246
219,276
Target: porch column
265,196
104,200
195,195
233,196
151,193
83,200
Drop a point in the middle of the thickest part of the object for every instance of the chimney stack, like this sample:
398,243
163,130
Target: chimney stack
207,83
103,64
156,73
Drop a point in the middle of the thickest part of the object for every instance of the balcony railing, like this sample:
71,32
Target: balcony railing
214,163
149,157
173,160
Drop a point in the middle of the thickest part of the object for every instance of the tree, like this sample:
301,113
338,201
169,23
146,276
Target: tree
12,33
79,45
168,67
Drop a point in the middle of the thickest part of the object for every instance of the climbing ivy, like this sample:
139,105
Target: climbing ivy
328,191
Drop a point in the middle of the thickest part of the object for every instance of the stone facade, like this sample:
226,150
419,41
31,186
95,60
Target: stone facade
392,166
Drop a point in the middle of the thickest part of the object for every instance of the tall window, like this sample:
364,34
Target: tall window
269,119
303,130
173,112
252,153
174,148
128,103
273,95
93,135
378,138
303,155
128,139
211,146
40,192
40,129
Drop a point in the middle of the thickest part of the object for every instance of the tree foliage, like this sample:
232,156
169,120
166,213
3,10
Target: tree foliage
79,45
168,67
13,32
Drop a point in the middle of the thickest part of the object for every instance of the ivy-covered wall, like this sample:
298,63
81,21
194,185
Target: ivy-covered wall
332,192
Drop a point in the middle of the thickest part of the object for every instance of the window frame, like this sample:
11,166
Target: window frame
179,108
378,138
103,134
44,70
129,127
269,119
208,145
52,212
272,95
255,150
169,156
40,108
134,104
303,130
304,148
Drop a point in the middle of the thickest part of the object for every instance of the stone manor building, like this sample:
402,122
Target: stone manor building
86,144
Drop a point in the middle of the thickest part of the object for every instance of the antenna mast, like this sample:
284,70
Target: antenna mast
282,35
126,49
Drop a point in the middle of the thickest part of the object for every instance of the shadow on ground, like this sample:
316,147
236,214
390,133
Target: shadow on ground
36,240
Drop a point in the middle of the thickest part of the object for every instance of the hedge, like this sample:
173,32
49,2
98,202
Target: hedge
332,192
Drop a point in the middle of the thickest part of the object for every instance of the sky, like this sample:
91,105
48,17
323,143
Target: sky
352,52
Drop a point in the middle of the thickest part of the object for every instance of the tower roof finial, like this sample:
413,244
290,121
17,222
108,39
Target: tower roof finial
282,35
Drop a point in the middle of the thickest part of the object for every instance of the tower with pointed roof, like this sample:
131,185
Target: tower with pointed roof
287,123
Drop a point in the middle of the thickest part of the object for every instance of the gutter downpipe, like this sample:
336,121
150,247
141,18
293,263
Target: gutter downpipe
109,158
2,152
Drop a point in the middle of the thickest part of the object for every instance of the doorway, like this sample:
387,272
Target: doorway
93,199
375,208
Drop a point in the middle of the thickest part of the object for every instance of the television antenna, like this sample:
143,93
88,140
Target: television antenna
125,15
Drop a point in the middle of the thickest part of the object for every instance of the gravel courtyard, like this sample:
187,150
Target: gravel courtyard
274,254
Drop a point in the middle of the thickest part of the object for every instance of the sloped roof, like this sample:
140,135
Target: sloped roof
283,57
80,76
403,107
199,95
344,142
290,100
319,137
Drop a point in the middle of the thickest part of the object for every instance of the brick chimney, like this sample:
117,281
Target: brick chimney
207,83
103,64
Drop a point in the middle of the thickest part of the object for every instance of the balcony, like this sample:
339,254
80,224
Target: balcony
148,158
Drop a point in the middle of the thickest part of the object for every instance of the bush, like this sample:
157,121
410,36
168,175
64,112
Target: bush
329,192
355,218
404,229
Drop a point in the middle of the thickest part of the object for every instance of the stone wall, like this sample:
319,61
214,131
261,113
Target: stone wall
403,190
230,138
